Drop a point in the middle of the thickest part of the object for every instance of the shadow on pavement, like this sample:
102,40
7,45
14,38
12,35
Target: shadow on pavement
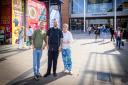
24,75
42,81
11,50
121,58
104,43
92,42
10,55
110,51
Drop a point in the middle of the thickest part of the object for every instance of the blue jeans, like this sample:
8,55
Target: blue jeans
37,53
66,55
118,42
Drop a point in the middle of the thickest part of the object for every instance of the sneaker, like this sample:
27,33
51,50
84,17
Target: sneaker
66,71
36,78
39,75
70,72
47,74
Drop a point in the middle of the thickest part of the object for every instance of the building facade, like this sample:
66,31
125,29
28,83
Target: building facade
97,12
65,11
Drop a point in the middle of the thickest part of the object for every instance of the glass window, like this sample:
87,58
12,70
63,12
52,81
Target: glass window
74,6
122,5
98,1
96,6
77,6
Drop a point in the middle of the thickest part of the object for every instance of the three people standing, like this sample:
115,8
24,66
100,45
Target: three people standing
56,40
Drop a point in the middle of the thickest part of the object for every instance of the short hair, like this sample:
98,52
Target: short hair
55,20
65,24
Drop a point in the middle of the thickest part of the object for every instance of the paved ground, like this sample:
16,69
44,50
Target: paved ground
94,63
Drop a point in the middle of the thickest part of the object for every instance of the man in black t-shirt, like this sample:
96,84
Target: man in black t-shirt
54,42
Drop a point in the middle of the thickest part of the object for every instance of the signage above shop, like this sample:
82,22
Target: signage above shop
107,14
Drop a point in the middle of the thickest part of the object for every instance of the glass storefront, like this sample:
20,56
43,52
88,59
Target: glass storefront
92,6
78,23
98,12
122,5
122,22
100,6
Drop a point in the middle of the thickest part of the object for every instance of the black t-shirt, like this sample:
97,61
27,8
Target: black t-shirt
54,37
112,31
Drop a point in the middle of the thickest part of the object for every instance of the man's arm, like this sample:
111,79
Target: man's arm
61,40
33,40
71,38
45,40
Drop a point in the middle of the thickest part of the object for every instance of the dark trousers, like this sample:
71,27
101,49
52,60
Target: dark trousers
89,32
112,37
52,59
118,42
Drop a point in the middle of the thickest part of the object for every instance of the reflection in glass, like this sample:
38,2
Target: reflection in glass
95,6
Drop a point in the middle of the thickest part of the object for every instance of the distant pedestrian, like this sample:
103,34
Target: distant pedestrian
89,30
66,49
54,37
21,38
112,33
39,36
97,32
118,36
104,31
29,36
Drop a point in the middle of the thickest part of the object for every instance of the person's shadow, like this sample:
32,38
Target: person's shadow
41,81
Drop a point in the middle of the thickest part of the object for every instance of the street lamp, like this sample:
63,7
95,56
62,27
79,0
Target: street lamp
115,13
84,15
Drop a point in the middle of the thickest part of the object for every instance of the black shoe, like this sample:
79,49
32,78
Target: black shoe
36,77
47,74
54,74
39,75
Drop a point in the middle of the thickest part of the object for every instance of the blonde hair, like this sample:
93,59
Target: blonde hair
65,24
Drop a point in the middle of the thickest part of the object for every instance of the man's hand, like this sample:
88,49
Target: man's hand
44,46
33,47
